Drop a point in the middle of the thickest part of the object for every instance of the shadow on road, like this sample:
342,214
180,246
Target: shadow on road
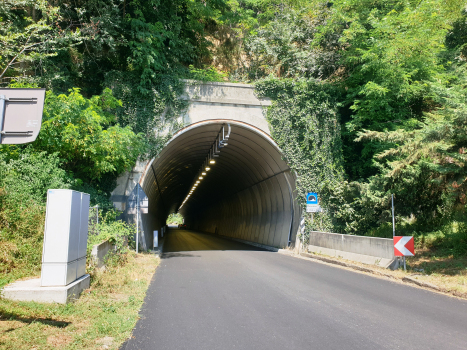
177,242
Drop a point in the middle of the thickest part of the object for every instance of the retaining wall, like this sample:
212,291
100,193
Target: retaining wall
369,250
99,251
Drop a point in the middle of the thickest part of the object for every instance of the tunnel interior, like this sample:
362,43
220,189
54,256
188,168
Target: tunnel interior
249,193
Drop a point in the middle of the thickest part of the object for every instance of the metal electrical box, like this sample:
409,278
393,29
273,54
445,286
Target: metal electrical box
65,237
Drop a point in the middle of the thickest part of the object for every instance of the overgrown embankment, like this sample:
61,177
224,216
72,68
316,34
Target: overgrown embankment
80,147
392,75
369,101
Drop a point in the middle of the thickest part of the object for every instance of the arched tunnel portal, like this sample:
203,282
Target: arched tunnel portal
247,194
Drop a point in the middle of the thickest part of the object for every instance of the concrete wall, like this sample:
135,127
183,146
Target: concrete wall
370,250
99,251
375,246
209,101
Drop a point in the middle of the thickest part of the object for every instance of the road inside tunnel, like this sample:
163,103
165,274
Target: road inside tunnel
240,187
215,293
181,240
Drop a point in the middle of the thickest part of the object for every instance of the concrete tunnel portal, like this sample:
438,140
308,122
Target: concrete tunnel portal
249,193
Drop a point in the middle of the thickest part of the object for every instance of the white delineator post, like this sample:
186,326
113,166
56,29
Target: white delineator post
65,237
156,239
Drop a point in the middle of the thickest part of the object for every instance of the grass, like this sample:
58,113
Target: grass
448,273
440,255
102,318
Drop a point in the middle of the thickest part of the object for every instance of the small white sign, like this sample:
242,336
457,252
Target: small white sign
313,208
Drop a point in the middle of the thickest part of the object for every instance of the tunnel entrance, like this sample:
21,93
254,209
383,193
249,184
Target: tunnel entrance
247,194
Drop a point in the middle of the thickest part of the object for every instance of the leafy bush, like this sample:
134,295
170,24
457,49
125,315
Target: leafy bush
24,183
174,219
283,47
117,232
85,135
206,74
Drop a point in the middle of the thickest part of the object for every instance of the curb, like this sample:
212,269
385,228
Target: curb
254,244
341,263
422,284
259,245
406,279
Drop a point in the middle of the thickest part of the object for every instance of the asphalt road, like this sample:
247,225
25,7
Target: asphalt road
212,293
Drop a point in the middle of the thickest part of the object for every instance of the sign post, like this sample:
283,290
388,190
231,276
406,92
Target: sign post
312,205
137,204
393,222
137,219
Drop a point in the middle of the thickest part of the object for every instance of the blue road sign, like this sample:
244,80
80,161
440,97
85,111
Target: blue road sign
312,198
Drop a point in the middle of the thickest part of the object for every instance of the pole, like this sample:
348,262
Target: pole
2,113
137,218
405,270
97,218
393,222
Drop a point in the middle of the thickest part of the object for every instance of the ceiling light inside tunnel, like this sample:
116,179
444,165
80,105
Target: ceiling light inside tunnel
219,143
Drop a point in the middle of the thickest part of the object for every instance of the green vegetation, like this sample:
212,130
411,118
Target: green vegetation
24,184
80,147
395,76
369,99
305,125
175,219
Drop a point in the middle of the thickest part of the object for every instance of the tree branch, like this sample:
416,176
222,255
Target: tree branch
19,53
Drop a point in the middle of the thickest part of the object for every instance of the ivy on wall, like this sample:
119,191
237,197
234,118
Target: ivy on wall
304,122
156,113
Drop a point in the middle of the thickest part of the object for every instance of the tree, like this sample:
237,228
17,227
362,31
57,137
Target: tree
391,56
84,134
29,36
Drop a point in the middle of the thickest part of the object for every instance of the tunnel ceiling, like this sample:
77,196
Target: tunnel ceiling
251,157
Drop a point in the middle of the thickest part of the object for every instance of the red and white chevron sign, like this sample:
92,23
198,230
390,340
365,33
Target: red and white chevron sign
404,246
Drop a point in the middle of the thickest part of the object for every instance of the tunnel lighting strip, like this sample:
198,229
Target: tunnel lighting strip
214,151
